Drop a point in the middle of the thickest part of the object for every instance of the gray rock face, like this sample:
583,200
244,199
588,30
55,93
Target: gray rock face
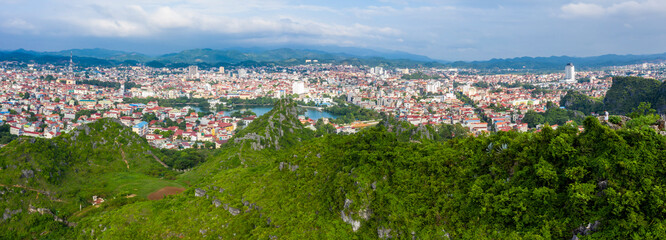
27,173
293,168
348,219
348,203
365,214
384,233
586,230
9,213
199,192
602,185
234,211
217,202
282,165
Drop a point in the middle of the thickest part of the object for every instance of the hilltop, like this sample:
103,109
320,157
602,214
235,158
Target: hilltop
625,94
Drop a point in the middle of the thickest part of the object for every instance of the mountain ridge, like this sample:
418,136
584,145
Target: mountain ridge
290,56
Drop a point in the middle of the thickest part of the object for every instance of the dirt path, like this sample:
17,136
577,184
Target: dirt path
122,153
124,159
158,160
35,190
159,194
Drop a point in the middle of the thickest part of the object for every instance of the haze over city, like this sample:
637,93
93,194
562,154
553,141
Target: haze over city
444,30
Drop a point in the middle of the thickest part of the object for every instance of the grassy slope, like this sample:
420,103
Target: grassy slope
72,168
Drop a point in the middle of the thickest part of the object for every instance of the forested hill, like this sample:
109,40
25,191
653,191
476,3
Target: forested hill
553,184
625,95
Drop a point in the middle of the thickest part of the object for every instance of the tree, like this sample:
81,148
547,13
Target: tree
533,119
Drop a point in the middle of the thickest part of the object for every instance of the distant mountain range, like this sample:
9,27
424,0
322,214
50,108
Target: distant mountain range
291,56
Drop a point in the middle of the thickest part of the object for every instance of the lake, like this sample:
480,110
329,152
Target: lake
310,113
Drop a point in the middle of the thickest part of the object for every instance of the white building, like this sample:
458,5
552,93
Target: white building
221,70
433,87
570,74
298,87
242,73
193,71
377,71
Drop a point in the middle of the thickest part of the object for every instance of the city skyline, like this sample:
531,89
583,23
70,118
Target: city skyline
450,30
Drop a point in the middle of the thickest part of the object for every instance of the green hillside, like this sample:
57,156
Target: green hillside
62,175
625,95
274,181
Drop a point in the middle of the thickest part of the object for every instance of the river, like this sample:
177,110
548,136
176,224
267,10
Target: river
310,113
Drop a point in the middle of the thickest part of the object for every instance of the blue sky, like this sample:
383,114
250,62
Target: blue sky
447,29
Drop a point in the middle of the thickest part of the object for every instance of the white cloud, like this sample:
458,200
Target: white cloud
17,25
647,7
140,21
582,10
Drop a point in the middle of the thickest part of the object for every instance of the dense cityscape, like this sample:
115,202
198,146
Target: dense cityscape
46,100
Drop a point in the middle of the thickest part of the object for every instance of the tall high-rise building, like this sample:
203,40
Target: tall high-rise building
569,74
222,70
193,71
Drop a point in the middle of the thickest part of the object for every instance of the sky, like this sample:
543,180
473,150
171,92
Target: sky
445,29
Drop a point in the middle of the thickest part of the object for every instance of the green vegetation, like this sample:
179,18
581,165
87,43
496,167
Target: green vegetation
418,75
275,180
242,114
260,101
552,116
184,159
5,136
201,103
98,83
103,159
481,84
628,92
576,101
348,113
85,112
625,94
615,119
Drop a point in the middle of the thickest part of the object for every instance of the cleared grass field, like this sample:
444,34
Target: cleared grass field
136,183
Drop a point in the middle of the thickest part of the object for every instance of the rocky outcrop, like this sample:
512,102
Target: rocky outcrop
384,233
586,229
356,224
46,211
9,213
199,192
27,173
234,211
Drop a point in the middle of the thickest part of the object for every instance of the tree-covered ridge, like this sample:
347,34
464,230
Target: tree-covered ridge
622,98
277,129
627,92
575,100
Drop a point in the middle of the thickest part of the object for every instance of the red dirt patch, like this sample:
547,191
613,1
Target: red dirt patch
159,194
